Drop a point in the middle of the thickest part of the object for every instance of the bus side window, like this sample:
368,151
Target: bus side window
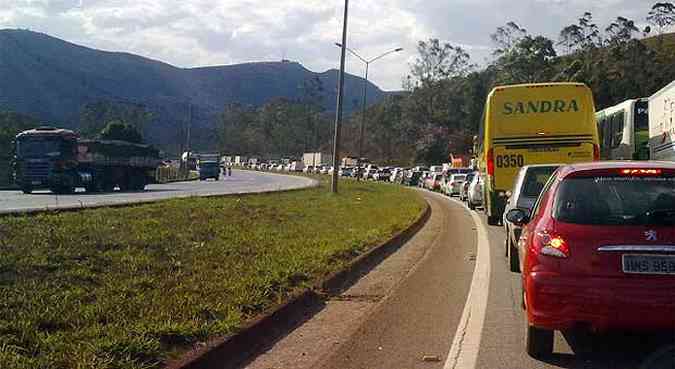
617,129
607,135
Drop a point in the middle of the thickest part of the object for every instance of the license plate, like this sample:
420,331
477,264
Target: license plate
649,264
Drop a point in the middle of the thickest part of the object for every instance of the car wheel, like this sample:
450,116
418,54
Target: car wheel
27,190
514,261
539,342
471,205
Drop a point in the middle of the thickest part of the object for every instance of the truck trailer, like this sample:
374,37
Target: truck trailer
59,160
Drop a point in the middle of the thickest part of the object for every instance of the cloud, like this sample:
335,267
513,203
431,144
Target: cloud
189,33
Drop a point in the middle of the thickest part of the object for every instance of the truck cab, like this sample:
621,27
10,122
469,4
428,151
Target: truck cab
41,151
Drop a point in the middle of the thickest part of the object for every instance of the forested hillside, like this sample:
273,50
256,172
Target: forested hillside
76,87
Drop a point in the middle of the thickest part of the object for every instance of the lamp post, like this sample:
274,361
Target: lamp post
367,62
338,112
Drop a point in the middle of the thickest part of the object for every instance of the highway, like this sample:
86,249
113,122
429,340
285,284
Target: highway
239,182
446,300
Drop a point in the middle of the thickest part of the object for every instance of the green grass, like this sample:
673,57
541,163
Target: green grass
132,287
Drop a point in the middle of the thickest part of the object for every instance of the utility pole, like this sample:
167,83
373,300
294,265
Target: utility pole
338,112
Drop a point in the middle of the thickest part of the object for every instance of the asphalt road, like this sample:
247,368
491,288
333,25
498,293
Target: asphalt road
239,182
455,307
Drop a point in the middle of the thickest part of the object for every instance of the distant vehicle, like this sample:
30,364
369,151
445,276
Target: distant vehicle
436,169
526,189
464,191
396,175
208,169
369,173
624,131
412,178
297,166
455,183
475,195
382,175
598,251
324,170
513,135
661,125
433,182
58,160
345,172
308,169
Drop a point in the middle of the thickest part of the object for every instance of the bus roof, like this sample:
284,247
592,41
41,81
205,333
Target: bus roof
620,106
538,85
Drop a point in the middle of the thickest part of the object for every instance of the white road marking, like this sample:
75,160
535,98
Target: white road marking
464,350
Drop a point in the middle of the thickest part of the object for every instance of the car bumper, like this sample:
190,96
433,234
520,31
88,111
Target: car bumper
559,303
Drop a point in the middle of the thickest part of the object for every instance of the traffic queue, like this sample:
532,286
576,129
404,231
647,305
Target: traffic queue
592,239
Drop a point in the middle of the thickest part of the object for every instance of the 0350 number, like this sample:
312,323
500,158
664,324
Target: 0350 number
510,161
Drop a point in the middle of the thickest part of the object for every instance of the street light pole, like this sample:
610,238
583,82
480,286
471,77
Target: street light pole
338,113
365,90
363,113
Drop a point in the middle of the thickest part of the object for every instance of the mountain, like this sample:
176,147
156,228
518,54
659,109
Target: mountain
52,80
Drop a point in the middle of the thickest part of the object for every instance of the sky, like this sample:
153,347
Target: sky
192,33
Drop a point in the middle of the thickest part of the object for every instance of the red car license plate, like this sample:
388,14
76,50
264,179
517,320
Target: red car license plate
648,264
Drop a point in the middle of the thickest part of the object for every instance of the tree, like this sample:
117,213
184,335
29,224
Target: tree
591,37
662,16
11,124
94,116
506,37
528,61
436,61
571,37
117,130
620,31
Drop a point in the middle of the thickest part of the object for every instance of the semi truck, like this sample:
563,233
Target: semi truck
59,160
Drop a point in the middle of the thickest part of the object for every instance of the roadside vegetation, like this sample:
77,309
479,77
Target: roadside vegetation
133,287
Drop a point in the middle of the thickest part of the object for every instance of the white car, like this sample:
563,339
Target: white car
455,183
475,195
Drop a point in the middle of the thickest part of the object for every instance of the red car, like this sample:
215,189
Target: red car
598,251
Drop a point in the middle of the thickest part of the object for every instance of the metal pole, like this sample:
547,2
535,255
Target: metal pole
363,116
338,113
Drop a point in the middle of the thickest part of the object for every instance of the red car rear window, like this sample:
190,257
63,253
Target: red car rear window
616,200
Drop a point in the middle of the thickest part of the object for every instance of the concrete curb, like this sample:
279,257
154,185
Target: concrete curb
233,351
72,208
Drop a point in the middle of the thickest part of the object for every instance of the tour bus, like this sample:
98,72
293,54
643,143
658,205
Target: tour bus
661,127
623,131
528,124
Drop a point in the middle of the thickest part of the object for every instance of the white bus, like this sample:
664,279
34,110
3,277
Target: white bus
624,131
661,127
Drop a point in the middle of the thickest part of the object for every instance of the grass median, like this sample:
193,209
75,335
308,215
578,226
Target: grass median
133,287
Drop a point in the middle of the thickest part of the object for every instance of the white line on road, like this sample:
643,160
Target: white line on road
464,350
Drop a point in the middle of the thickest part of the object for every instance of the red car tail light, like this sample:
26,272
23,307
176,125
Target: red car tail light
547,244
596,152
491,162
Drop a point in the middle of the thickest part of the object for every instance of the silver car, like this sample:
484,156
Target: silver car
526,189
475,195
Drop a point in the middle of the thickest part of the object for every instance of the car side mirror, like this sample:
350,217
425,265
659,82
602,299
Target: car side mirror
518,217
509,194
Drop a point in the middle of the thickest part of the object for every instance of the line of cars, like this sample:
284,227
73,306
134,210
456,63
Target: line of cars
593,241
